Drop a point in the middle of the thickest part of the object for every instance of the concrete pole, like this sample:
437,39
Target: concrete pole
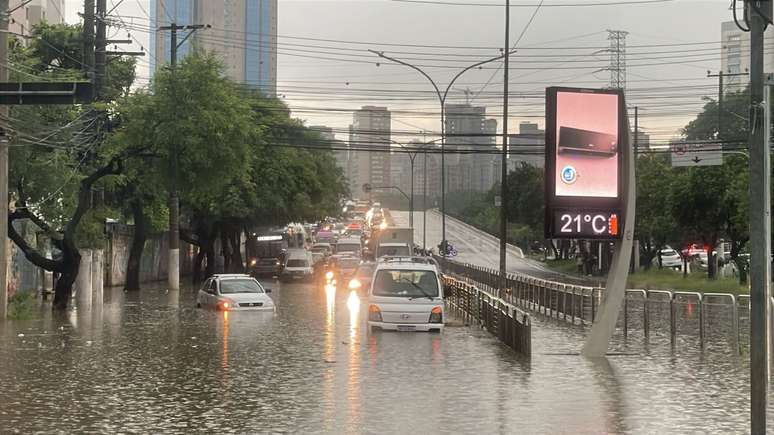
97,274
504,163
4,245
760,227
173,267
615,289
83,281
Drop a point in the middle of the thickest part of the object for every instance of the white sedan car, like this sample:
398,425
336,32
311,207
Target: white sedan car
234,292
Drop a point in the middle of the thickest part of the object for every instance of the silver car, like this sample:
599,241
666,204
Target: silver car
234,292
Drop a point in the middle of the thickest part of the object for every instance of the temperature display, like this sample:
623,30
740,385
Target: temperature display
586,224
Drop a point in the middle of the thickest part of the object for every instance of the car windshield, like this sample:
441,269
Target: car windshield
297,263
405,283
393,251
347,247
232,286
348,262
365,270
668,252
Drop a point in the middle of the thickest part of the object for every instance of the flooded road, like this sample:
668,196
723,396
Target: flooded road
152,362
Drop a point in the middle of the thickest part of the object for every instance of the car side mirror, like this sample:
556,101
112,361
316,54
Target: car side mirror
267,290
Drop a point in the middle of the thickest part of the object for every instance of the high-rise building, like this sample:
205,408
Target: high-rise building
735,54
243,34
339,148
526,146
23,19
471,170
370,129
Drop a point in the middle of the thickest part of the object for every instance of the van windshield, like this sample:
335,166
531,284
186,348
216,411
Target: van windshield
406,283
297,263
393,251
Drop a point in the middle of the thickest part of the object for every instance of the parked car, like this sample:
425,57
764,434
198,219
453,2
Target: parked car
234,292
406,295
670,258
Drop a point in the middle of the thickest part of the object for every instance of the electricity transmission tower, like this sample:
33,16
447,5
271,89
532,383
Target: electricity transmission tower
617,51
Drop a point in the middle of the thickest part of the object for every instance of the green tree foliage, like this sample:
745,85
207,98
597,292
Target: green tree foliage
654,226
59,161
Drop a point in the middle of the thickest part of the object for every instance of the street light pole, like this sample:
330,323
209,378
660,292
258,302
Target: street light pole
442,100
504,165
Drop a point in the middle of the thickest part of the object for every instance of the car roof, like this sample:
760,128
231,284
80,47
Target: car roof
349,240
231,275
393,244
407,263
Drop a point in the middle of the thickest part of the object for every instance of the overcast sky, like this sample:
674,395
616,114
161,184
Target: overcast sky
668,94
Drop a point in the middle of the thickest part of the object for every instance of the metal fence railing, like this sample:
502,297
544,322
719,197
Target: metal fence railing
578,305
505,321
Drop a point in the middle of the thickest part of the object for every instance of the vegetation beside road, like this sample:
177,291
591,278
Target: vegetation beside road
664,279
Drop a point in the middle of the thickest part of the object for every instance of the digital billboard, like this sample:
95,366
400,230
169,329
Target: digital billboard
586,138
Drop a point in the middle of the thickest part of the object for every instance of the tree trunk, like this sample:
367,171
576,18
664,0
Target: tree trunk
63,290
712,264
138,244
236,253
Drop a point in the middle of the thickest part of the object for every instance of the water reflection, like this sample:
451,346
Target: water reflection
353,304
155,367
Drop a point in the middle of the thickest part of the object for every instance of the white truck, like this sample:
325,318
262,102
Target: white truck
395,242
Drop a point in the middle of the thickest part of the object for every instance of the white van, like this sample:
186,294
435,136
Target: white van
298,265
349,246
406,294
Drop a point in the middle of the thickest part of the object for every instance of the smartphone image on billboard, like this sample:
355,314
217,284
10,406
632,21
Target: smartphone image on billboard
586,145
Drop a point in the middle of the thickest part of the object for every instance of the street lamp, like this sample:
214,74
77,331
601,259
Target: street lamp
442,100
412,157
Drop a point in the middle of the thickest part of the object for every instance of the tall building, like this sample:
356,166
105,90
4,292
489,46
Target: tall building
370,129
340,149
471,171
526,146
243,34
23,19
735,54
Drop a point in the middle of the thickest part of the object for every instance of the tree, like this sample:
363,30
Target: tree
654,226
58,155
711,201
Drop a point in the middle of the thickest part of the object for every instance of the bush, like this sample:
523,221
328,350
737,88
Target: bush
21,305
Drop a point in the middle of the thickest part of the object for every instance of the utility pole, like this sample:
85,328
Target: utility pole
504,165
100,57
88,38
721,90
760,220
3,167
173,270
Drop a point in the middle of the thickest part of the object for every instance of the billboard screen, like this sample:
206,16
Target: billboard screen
585,142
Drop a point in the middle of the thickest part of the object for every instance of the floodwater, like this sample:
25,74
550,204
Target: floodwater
151,362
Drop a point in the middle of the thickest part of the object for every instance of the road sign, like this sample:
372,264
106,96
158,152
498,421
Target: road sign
45,93
696,154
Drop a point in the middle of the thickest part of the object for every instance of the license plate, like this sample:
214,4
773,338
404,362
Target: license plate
407,328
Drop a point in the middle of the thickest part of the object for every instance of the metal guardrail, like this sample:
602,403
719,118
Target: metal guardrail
578,305
508,323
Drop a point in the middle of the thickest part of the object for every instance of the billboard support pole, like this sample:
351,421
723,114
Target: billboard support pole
615,289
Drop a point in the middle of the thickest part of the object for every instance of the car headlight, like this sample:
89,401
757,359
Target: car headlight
436,315
355,284
253,262
226,304
374,313
329,275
